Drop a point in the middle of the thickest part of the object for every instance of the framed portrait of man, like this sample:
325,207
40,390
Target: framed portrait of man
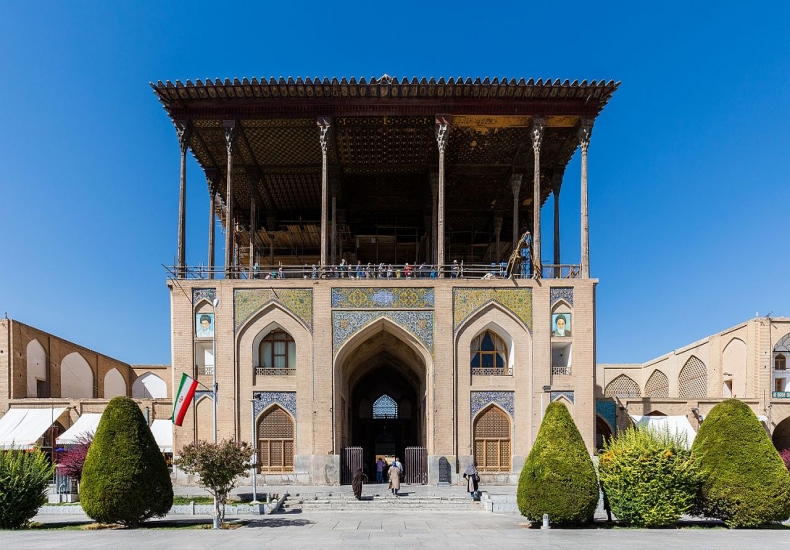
561,324
204,325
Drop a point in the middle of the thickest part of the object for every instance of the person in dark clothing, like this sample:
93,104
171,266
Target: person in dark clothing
472,479
356,484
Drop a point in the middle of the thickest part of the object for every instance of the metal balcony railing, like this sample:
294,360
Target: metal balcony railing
492,371
561,370
274,371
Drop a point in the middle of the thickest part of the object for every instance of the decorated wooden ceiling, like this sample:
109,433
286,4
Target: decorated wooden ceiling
382,146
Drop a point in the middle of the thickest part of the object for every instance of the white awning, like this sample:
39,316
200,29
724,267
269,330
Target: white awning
163,433
673,424
87,423
22,428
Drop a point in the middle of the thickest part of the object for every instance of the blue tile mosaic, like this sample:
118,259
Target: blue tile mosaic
567,394
478,400
203,294
606,409
561,293
388,298
417,323
468,301
263,399
248,302
202,393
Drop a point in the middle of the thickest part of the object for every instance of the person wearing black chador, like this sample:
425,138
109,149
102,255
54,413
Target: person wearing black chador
356,484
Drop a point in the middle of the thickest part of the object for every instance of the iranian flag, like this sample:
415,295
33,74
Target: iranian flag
186,390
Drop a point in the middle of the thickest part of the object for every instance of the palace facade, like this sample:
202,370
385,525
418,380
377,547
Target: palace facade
383,290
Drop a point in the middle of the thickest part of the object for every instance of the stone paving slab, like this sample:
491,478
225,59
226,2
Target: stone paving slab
401,529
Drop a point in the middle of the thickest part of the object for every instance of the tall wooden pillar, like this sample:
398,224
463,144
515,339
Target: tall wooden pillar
584,143
442,135
515,186
211,179
434,215
557,184
536,133
497,232
253,235
271,226
324,125
182,129
230,219
334,184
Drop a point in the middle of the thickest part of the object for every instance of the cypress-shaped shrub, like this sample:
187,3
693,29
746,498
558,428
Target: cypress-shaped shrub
745,482
649,477
558,477
125,478
24,477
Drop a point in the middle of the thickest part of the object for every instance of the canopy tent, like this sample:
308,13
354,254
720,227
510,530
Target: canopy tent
87,423
22,428
679,425
163,433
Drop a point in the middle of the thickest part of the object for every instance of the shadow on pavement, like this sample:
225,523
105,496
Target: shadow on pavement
278,522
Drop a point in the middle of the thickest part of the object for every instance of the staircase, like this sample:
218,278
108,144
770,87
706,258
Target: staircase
380,499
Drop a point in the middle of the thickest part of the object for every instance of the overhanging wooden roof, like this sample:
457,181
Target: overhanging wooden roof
382,147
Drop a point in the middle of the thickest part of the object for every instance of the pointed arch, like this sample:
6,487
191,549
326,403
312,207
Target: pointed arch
564,400
622,386
657,385
37,381
489,352
274,351
275,429
734,365
385,407
76,377
603,432
693,379
491,436
149,386
265,311
114,384
486,310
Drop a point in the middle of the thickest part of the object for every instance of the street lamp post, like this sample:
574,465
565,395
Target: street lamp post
214,305
255,455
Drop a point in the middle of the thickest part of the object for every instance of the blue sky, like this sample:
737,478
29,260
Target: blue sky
688,164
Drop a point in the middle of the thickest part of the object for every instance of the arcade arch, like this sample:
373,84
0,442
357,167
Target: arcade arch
114,384
149,386
76,377
37,381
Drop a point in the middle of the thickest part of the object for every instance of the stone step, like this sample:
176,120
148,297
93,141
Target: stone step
342,502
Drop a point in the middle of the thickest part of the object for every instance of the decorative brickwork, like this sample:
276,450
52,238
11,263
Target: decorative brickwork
378,298
561,293
248,302
467,301
417,323
262,400
202,393
622,386
479,400
693,379
203,294
657,385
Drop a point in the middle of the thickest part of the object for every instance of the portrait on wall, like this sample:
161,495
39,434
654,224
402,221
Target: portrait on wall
204,325
560,324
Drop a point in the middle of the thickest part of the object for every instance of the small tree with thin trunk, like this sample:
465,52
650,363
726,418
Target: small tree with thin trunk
218,466
72,461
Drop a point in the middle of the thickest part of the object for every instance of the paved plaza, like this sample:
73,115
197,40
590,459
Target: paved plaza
401,529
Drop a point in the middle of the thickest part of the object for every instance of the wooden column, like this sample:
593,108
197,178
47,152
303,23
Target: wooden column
271,226
497,232
584,143
324,125
211,179
536,133
557,184
334,184
515,186
182,129
253,231
230,220
442,135
434,214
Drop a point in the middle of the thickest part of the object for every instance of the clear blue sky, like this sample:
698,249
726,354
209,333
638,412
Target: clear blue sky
689,163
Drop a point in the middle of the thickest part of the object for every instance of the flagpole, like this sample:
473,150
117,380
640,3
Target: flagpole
214,304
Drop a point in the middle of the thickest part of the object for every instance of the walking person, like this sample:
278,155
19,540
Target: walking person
356,483
472,479
395,473
379,470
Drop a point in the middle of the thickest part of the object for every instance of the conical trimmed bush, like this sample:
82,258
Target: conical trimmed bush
745,482
558,477
125,478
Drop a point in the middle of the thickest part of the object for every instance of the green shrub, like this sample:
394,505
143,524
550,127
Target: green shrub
649,477
558,477
125,478
24,477
745,483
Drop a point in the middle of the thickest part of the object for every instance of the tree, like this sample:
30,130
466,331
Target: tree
218,465
24,477
745,482
72,461
558,477
125,478
649,477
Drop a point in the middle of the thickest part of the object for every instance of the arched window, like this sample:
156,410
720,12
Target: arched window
693,379
276,441
780,362
276,354
622,386
489,354
492,441
657,385
385,407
